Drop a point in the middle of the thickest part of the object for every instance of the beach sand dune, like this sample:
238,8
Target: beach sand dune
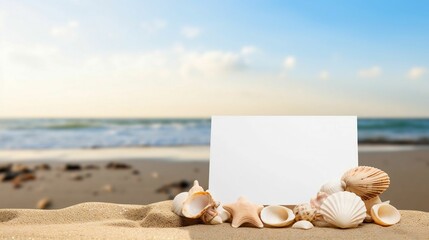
156,221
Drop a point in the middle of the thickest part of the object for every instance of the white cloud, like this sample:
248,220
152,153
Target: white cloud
416,72
191,32
211,63
324,75
289,62
66,31
247,50
153,26
372,72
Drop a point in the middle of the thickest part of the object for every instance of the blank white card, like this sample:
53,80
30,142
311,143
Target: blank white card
279,159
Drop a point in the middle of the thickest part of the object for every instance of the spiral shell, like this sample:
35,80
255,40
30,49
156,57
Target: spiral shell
304,212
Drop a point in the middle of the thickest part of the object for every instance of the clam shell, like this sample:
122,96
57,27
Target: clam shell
304,212
303,224
385,214
333,187
196,204
277,216
343,209
366,182
178,201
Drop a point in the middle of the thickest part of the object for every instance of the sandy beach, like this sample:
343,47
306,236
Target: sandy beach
92,190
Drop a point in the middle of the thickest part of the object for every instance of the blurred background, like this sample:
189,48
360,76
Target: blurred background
111,100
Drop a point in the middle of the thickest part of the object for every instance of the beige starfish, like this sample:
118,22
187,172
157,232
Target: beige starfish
244,211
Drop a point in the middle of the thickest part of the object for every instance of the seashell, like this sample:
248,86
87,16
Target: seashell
196,204
321,223
303,224
385,214
211,216
195,188
333,187
343,209
277,216
368,218
371,202
304,212
318,200
178,201
366,182
223,214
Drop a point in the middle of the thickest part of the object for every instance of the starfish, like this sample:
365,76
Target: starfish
244,211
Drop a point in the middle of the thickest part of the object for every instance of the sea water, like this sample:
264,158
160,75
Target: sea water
108,133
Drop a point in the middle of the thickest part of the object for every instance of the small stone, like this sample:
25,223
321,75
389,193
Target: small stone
116,165
76,177
154,175
107,188
135,172
42,166
44,203
72,167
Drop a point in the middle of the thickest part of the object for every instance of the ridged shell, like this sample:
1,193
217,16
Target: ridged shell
333,187
196,204
385,214
366,182
304,212
178,201
343,209
277,216
303,224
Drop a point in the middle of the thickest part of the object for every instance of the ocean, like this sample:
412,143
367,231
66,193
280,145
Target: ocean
111,133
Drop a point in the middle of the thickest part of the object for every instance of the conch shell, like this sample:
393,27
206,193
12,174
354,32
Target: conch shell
385,214
178,201
304,212
366,182
343,209
277,216
333,187
303,224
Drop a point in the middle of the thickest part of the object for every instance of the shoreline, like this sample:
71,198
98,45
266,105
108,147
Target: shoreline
174,154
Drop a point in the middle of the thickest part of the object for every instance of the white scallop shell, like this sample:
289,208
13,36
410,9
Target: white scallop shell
178,201
196,204
385,214
277,216
303,224
333,187
343,209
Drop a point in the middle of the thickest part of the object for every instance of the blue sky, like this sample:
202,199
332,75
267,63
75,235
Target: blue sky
192,58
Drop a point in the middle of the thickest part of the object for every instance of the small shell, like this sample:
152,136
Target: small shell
178,201
366,182
371,202
195,188
317,201
277,216
196,204
211,216
343,209
333,187
385,214
304,212
303,224
224,215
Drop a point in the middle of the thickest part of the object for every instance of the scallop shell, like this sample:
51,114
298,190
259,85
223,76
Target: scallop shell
343,209
303,224
197,203
304,212
178,201
333,187
385,214
366,182
277,216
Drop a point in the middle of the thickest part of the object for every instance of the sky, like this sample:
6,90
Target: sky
101,58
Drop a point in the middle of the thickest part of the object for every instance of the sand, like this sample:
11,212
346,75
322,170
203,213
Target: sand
156,221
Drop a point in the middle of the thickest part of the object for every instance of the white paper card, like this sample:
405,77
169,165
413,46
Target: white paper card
279,159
